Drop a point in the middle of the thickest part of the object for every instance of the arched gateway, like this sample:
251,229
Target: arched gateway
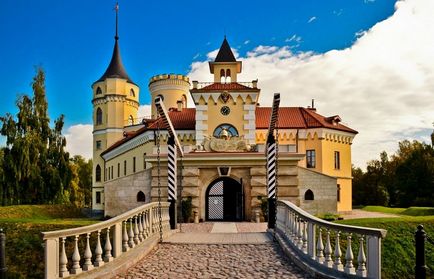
224,200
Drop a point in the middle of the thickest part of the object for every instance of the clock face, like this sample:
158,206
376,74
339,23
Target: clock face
225,110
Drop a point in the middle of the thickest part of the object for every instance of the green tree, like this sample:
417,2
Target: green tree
35,164
83,177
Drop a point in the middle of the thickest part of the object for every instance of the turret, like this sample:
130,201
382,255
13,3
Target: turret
172,88
115,105
225,67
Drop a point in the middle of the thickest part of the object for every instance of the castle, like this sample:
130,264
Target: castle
223,138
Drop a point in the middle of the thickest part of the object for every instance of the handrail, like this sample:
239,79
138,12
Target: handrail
319,243
118,235
348,228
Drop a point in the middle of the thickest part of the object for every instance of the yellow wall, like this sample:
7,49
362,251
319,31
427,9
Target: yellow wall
232,67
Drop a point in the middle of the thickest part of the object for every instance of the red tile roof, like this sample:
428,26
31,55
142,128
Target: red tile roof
289,118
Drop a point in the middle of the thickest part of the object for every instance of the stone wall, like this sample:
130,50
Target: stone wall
324,189
121,194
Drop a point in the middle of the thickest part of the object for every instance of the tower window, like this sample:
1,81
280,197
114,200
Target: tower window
98,145
184,101
308,196
161,97
310,158
98,116
132,93
337,160
134,164
112,173
98,173
119,169
125,167
228,76
130,120
141,197
144,161
222,75
98,197
338,194
98,91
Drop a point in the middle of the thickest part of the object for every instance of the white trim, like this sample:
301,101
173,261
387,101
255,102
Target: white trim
108,130
131,144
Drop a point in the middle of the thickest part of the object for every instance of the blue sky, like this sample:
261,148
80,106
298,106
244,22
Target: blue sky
73,40
370,61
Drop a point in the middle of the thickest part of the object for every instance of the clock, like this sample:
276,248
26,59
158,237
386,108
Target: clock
225,110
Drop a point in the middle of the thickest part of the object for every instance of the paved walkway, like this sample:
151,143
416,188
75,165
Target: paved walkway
217,250
358,214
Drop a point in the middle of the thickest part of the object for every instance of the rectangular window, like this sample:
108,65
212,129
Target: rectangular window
310,158
113,175
98,197
109,174
125,167
337,160
144,161
119,169
338,195
134,164
105,174
98,145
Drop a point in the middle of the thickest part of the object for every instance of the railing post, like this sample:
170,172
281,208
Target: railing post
117,239
311,243
51,251
420,268
3,268
374,257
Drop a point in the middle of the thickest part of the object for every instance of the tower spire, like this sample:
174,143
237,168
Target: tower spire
117,10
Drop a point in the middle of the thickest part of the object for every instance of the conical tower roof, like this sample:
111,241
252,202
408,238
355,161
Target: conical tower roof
225,53
116,69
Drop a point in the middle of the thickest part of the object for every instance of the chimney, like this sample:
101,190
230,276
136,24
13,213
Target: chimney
179,103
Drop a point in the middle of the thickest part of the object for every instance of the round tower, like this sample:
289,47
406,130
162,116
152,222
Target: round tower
172,88
115,101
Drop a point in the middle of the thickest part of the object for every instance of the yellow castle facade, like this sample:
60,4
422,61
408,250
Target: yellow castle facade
223,138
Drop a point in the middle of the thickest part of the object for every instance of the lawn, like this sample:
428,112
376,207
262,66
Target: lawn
23,226
398,256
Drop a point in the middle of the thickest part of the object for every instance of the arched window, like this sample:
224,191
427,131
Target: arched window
308,196
161,97
98,116
98,173
141,197
184,101
98,91
222,74
224,129
132,93
228,75
130,120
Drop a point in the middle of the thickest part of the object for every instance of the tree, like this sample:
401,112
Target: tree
83,177
35,164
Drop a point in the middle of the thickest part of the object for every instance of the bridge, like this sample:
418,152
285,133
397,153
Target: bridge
301,245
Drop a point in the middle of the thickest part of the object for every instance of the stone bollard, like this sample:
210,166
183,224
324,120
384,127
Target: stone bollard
257,216
420,268
3,268
196,217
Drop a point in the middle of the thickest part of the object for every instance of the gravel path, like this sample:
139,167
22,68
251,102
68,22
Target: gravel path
358,214
215,261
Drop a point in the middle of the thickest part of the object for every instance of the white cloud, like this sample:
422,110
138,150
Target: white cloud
293,38
144,111
246,42
311,19
79,140
382,86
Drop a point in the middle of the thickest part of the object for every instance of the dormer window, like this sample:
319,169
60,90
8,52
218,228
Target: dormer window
98,91
132,93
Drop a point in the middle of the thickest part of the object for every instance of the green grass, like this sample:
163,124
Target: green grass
411,211
23,225
398,254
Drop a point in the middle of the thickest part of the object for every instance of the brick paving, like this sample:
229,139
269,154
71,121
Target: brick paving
215,261
197,253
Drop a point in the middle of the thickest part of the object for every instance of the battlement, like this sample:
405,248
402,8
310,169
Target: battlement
163,77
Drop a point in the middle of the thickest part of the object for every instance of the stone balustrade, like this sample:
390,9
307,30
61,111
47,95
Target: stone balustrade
112,238
320,243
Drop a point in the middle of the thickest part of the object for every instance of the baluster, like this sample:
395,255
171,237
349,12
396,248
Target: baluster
304,240
145,225
338,253
141,238
108,248
295,231
87,255
98,251
63,261
76,269
320,248
136,231
349,267
131,234
300,234
328,251
361,259
125,246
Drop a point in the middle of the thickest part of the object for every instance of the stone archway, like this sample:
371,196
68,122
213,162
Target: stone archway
224,200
